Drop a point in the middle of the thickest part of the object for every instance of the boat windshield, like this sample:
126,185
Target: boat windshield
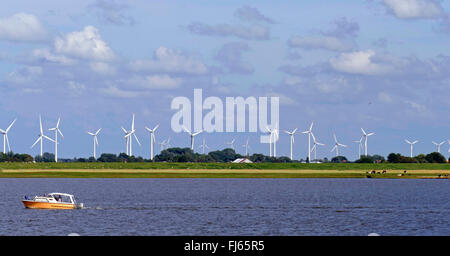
62,198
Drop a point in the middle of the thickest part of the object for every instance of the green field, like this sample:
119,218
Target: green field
221,170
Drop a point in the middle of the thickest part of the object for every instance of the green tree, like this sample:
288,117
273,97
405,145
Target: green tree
435,157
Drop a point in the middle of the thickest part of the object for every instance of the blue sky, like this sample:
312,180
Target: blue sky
378,64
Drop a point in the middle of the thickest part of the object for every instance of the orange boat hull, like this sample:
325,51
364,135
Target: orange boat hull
45,205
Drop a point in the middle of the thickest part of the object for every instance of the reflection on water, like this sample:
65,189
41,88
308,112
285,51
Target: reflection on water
230,207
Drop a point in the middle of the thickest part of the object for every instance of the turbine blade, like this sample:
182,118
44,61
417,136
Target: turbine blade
57,123
96,140
186,130
364,132
48,138
136,139
36,141
123,129
156,127
98,131
40,124
90,133
59,131
9,127
194,134
310,128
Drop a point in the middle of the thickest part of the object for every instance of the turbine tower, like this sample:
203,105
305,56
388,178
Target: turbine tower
411,145
273,139
41,136
127,139
129,136
192,136
152,139
365,135
5,136
246,147
95,140
57,130
291,134
231,143
438,145
314,148
309,132
359,146
337,145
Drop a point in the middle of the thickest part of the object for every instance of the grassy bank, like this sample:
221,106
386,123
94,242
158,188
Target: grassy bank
217,173
219,166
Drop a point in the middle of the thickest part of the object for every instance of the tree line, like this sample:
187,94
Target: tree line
222,156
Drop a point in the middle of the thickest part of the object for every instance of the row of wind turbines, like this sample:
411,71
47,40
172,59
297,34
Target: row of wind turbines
273,138
274,133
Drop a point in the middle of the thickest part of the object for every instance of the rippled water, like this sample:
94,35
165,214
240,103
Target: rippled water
230,207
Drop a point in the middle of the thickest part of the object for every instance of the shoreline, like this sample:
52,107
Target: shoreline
220,173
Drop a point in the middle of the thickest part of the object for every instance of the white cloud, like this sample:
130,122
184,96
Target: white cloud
47,56
255,32
170,61
359,62
22,27
156,82
86,44
117,92
320,42
102,68
25,74
415,9
76,88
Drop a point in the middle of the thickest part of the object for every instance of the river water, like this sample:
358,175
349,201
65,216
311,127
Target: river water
262,207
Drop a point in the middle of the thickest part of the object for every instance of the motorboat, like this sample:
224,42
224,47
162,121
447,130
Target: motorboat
52,201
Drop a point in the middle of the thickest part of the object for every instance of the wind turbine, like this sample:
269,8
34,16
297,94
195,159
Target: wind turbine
152,139
192,136
273,139
162,144
337,145
309,132
315,146
57,130
359,146
5,136
41,135
95,140
291,134
129,137
203,146
231,143
365,135
246,147
411,144
167,143
438,145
